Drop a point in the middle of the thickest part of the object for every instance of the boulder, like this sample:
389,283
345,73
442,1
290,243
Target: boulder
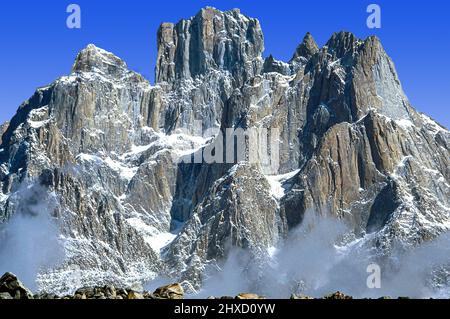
174,291
5,295
87,292
338,295
9,284
300,297
134,295
249,297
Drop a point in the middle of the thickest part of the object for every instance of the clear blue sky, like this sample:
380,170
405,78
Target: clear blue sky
37,47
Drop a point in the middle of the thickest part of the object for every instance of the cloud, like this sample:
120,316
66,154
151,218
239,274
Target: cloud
29,241
316,260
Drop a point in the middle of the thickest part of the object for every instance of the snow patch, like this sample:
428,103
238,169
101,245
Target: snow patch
272,251
124,171
3,197
180,144
38,114
431,125
276,183
405,123
152,236
121,169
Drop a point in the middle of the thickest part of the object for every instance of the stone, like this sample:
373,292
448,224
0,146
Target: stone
338,295
122,292
5,295
307,49
87,292
174,291
135,295
110,291
249,296
11,285
300,297
45,295
148,295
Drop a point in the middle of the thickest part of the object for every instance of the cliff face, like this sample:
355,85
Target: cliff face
103,143
210,41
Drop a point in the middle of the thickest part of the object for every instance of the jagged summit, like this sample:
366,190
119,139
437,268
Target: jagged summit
94,59
99,149
307,48
210,40
343,43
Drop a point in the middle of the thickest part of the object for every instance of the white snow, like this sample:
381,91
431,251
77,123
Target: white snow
124,171
405,123
432,126
39,113
138,149
37,124
276,183
431,171
401,164
121,169
96,133
403,161
180,144
152,236
272,251
161,240
3,197
89,158
276,188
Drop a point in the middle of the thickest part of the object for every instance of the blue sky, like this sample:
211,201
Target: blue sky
37,47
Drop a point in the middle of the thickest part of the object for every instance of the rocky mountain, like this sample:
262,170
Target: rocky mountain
101,150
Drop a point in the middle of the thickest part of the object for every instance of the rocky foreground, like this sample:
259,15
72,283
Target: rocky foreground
12,288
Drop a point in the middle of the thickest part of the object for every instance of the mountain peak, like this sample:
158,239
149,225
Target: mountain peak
307,48
342,43
95,59
211,40
127,170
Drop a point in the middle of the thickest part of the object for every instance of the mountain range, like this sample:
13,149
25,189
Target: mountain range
98,151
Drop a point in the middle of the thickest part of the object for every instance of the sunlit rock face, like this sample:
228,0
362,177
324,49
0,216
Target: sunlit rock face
102,146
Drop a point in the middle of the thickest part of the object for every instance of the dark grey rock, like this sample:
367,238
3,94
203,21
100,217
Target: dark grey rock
10,285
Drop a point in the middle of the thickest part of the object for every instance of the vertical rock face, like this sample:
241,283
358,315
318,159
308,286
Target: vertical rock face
201,61
105,145
212,40
238,211
3,128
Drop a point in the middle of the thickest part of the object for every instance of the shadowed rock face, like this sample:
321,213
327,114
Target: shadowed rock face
104,141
